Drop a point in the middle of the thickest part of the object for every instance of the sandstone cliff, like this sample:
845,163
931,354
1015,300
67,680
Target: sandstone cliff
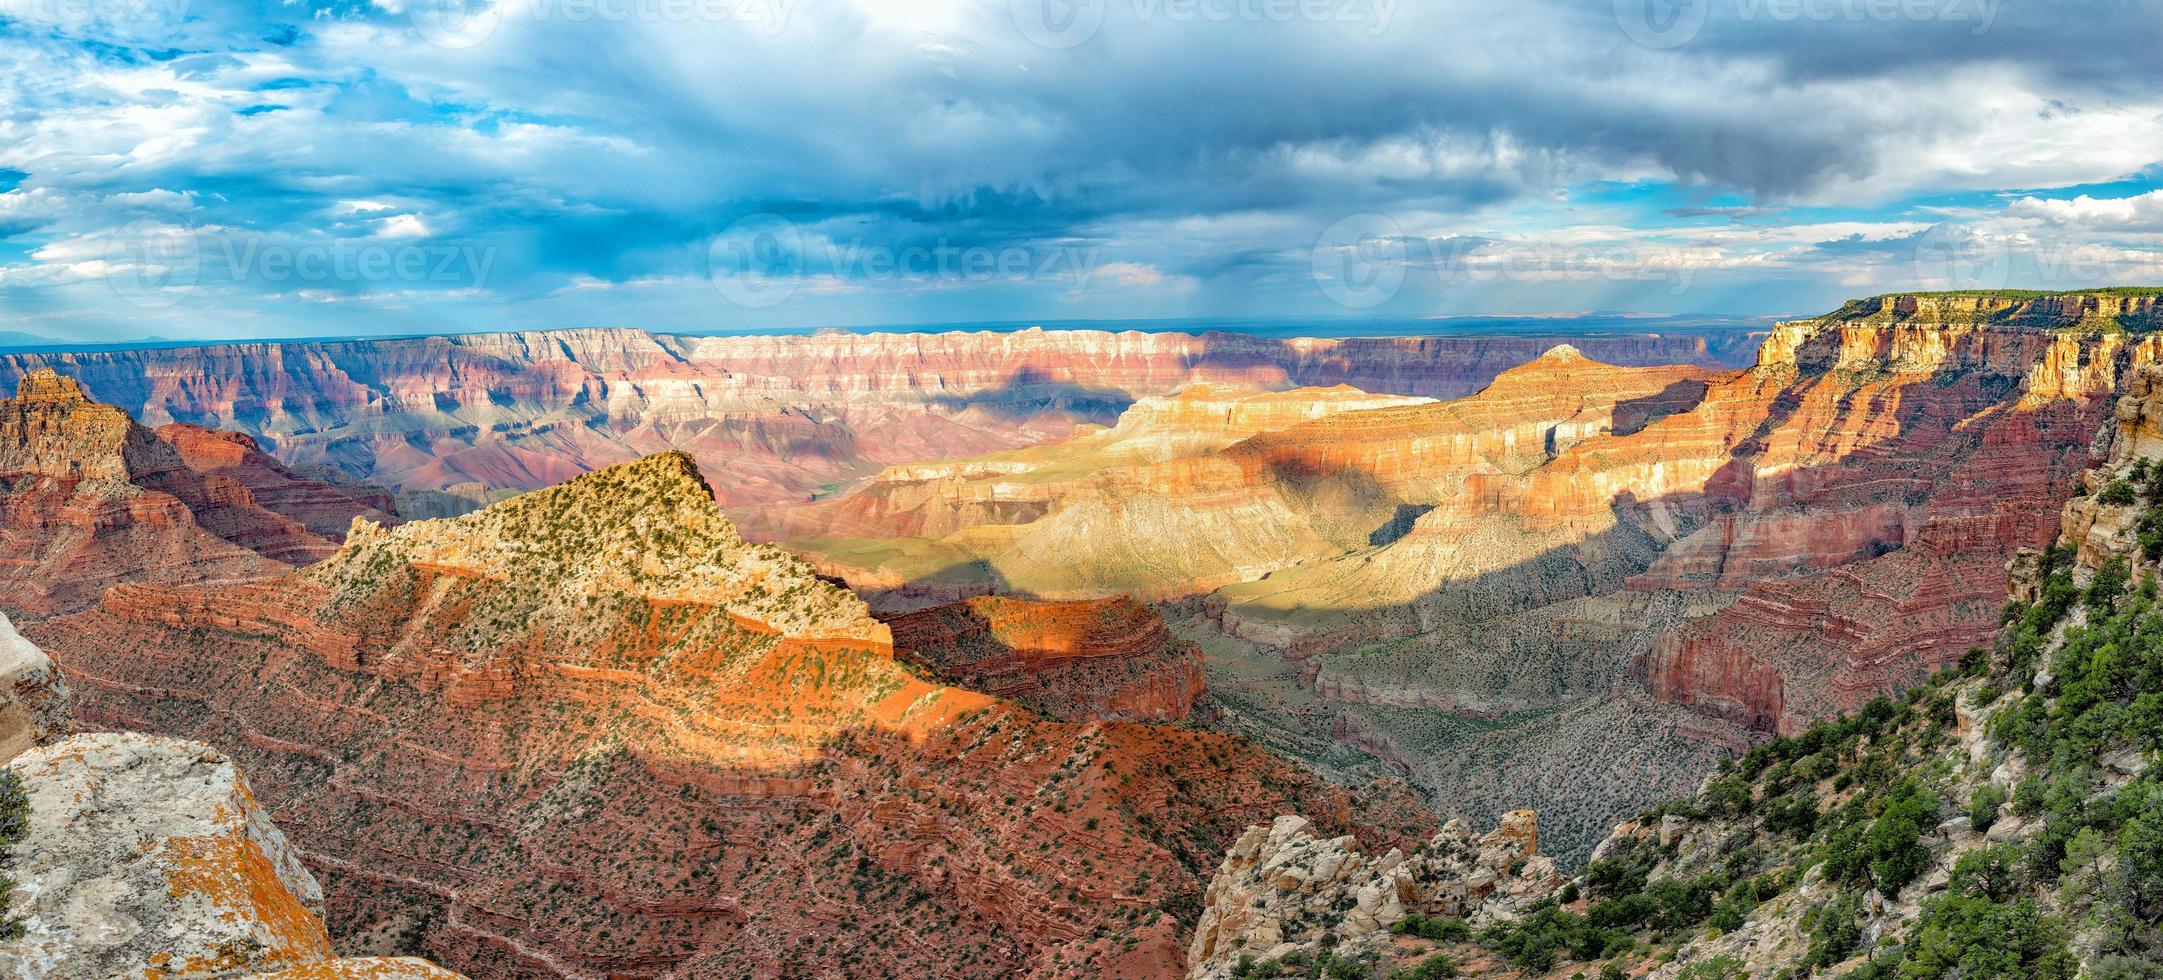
592,731
1761,548
1999,819
88,499
1150,506
788,417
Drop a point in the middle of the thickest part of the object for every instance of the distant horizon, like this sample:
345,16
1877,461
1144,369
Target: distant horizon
1336,327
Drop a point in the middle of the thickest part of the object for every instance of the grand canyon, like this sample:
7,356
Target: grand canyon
616,654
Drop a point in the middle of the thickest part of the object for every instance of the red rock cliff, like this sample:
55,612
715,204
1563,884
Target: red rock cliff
786,416
88,498
592,731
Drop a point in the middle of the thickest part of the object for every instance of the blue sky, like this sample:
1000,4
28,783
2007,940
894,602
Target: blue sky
190,169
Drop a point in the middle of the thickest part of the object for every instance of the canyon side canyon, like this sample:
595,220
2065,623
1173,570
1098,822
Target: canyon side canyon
607,653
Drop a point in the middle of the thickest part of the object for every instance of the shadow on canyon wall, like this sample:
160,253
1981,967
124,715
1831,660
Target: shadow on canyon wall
1920,451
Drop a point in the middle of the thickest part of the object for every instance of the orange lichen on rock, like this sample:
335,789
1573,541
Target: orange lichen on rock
148,857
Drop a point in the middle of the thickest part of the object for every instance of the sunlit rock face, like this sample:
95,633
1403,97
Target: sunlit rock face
788,418
1759,547
142,856
34,700
88,499
593,731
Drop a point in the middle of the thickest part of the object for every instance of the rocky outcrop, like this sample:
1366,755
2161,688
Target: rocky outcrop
789,417
88,499
34,701
144,856
2098,526
592,731
1282,891
1106,659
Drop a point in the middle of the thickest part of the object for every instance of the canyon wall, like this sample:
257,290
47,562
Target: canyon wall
1563,554
591,731
89,498
787,416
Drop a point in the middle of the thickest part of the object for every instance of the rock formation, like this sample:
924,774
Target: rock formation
1106,659
788,417
34,701
1282,892
88,498
144,856
592,731
1761,548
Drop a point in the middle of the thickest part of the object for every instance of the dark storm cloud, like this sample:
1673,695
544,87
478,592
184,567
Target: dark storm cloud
610,142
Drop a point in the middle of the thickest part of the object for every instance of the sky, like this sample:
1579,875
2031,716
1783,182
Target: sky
190,169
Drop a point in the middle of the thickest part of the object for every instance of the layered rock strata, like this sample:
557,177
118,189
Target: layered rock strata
592,731
88,499
789,417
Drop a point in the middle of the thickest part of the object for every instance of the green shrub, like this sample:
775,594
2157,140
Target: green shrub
1435,967
1983,807
1977,939
1436,928
14,823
